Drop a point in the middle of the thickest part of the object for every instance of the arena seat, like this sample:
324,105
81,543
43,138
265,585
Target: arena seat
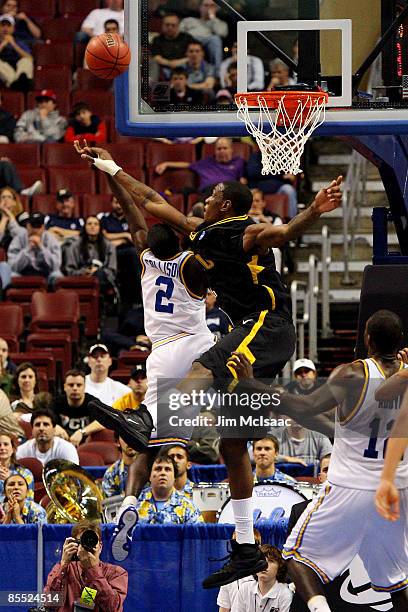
34,465
129,359
277,203
176,180
57,311
42,361
176,200
61,28
30,174
46,204
11,324
105,435
87,290
107,450
21,154
88,81
240,149
57,344
21,291
63,100
103,184
77,7
88,458
13,101
101,102
51,77
26,427
95,204
60,154
79,181
158,152
53,53
128,154
38,10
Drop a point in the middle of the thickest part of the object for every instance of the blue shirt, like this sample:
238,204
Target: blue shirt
277,477
72,223
111,224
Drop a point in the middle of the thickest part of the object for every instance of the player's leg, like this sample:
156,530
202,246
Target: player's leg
308,586
400,601
139,472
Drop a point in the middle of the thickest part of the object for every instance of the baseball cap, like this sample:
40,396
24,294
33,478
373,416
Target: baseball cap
36,219
63,194
304,363
98,347
46,93
138,371
223,93
8,18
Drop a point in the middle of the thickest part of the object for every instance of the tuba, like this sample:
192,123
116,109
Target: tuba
74,495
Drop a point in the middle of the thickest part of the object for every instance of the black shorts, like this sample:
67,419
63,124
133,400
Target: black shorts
266,338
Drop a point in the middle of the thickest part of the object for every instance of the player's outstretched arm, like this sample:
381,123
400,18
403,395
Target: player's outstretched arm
264,235
134,216
144,196
393,386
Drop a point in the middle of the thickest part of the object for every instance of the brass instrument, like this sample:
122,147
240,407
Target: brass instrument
74,495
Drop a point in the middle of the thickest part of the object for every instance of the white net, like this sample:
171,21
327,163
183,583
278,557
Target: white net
282,146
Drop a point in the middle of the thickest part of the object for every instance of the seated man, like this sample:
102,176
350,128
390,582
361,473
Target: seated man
218,168
81,569
94,22
138,386
257,213
256,70
265,453
161,503
33,252
297,442
304,377
180,92
115,477
16,61
7,365
208,29
64,224
45,445
201,74
169,48
182,460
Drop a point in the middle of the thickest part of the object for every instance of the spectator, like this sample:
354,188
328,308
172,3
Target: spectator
72,411
257,213
111,26
25,386
161,503
33,252
94,23
16,62
265,454
269,591
204,446
305,375
208,30
138,385
18,508
279,75
64,224
8,420
9,178
115,477
7,124
98,383
297,442
92,255
231,78
211,170
217,321
79,568
324,469
43,123
10,207
275,183
201,75
26,28
130,334
169,48
256,70
223,97
84,124
181,458
7,365
9,465
115,228
45,445
180,93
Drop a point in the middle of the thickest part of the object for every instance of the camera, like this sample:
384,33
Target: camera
88,540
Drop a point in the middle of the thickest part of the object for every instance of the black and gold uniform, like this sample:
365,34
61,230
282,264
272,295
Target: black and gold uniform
251,292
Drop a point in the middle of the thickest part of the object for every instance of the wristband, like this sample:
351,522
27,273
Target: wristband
107,165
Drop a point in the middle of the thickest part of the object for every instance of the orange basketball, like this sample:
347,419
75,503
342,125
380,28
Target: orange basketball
107,56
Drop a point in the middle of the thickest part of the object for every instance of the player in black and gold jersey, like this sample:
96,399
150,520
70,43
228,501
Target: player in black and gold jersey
236,252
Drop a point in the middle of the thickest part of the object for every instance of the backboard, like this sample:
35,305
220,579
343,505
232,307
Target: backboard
357,51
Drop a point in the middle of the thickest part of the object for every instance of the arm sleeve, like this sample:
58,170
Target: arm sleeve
73,264
70,135
17,257
53,128
219,27
108,487
26,130
57,581
258,74
326,447
223,599
71,453
52,255
89,21
112,591
285,600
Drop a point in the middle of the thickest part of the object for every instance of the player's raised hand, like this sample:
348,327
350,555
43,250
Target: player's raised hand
403,355
241,365
387,500
91,153
330,198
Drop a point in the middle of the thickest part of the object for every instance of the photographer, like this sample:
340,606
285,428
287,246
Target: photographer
83,578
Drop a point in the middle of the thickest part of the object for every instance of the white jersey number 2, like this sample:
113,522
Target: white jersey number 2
164,294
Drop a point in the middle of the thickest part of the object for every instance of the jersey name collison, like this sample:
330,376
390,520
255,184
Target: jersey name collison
167,267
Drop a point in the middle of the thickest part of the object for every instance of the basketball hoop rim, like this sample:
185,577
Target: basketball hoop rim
291,98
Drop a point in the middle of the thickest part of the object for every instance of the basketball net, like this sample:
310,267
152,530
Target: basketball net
296,116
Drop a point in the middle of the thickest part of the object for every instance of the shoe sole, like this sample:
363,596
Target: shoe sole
122,540
260,566
113,419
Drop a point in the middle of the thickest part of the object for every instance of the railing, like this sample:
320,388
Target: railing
313,291
326,261
354,195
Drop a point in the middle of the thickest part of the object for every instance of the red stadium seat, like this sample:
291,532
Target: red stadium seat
109,451
59,310
157,152
176,180
240,149
60,154
176,200
132,358
61,28
21,291
128,154
55,53
57,344
34,465
21,154
50,77
11,324
26,427
30,174
31,282
87,290
63,100
121,375
101,102
105,435
88,458
103,184
79,180
95,204
13,101
38,10
77,7
47,204
277,203
86,80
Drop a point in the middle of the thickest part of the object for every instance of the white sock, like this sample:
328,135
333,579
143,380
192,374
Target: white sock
318,603
244,520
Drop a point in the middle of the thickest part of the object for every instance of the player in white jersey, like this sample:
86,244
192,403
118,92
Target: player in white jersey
342,522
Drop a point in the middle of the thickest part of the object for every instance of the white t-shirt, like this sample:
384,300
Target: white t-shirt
228,592
108,391
249,598
96,19
60,449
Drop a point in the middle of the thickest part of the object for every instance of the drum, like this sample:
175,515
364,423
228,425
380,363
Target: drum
309,490
271,500
209,498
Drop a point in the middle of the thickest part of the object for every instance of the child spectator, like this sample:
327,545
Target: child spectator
43,123
83,124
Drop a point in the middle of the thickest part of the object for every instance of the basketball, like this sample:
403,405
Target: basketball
107,56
